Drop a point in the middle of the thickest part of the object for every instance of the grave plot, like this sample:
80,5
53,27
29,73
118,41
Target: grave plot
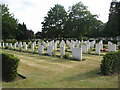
69,49
53,72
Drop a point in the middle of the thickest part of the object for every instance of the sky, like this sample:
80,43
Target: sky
32,12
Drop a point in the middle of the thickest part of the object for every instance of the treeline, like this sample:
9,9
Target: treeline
112,27
74,23
11,29
78,22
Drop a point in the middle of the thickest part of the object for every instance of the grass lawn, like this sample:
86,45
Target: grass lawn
53,72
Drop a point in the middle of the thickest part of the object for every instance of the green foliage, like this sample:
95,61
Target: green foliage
90,50
24,34
97,29
110,63
66,56
105,46
54,52
80,21
10,26
118,47
112,28
10,41
9,23
66,48
77,22
6,47
29,45
9,66
54,22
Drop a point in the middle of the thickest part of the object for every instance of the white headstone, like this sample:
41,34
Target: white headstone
78,45
14,45
101,46
32,47
118,43
50,50
20,46
7,44
25,47
55,46
24,43
0,45
62,51
40,49
111,47
62,43
3,44
97,49
10,45
84,48
71,46
34,44
92,44
77,53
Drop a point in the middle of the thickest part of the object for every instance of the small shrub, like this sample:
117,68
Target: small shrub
29,45
90,50
6,47
66,56
106,41
53,53
105,46
9,66
66,49
118,47
110,63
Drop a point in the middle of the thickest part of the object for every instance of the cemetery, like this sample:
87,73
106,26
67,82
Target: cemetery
81,55
73,48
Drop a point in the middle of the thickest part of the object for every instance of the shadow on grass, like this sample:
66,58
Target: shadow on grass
83,76
19,77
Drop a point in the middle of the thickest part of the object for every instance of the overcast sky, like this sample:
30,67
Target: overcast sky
32,12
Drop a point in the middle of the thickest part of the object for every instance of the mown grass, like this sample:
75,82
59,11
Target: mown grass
53,72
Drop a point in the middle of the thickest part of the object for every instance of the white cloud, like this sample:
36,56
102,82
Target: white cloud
32,12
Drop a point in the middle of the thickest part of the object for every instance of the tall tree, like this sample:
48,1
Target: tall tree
9,23
53,24
11,29
112,27
80,21
97,30
23,32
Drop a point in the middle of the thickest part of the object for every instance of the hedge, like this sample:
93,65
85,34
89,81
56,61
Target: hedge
9,66
110,63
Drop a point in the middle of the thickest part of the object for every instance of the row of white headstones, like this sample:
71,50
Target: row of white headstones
76,47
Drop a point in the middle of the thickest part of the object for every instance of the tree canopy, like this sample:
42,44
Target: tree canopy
9,23
75,23
112,27
54,22
11,29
